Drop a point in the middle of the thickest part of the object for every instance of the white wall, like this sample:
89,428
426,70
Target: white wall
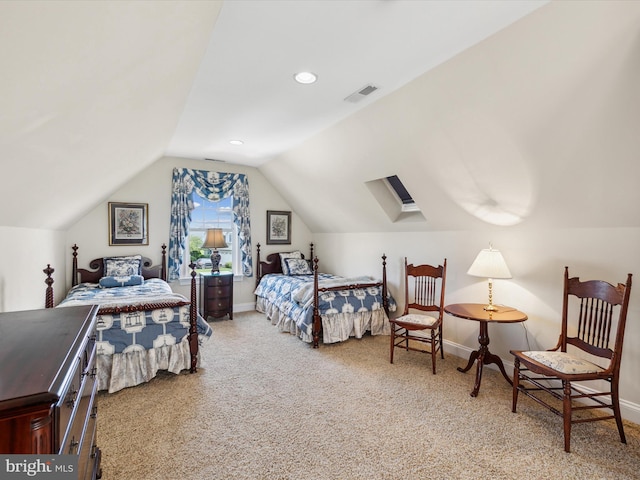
153,186
536,259
24,253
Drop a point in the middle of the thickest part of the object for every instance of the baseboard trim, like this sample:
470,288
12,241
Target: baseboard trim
630,411
244,307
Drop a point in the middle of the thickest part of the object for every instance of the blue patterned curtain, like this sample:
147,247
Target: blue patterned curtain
214,186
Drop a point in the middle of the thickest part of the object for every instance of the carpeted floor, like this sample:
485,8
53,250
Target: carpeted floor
267,406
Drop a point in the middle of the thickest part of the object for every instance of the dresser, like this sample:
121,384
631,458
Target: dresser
216,294
48,385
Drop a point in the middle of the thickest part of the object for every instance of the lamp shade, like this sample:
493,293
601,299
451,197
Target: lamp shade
214,239
489,264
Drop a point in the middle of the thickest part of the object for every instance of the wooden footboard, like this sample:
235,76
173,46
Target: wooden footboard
148,271
317,319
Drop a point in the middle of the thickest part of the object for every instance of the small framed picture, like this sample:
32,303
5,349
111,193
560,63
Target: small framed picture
128,223
278,228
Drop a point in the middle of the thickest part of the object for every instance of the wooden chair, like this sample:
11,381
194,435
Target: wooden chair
594,315
420,326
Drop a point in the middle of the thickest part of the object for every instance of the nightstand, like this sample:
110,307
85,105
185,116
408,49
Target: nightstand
216,295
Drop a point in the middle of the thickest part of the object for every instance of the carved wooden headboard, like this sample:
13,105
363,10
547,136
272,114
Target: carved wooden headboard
273,263
96,268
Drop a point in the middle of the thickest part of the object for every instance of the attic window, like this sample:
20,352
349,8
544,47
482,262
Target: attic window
404,197
395,199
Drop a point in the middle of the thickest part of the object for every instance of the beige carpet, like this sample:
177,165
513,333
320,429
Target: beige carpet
267,406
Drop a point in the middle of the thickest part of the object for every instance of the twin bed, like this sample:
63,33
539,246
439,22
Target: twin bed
298,299
142,325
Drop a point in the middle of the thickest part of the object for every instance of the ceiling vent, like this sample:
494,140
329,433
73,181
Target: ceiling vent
360,94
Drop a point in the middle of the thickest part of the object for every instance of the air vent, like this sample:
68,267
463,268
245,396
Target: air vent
360,94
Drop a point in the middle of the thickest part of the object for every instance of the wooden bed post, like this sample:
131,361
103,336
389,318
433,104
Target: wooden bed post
48,296
193,320
317,324
311,251
258,270
74,266
163,264
385,300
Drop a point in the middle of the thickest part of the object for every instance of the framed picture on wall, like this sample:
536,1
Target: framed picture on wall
278,228
128,223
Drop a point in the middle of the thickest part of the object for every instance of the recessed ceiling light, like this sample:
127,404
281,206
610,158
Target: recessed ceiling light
305,77
236,142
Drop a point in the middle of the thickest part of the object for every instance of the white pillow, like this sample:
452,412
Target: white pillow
284,256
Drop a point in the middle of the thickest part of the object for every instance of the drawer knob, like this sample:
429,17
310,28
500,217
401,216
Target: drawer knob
73,446
71,400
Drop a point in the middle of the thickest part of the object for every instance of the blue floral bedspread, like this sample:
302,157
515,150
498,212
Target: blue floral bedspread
293,295
137,330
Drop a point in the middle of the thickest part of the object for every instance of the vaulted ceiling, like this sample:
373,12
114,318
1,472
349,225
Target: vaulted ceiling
491,112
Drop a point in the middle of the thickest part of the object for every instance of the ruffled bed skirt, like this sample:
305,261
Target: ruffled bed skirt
122,370
336,327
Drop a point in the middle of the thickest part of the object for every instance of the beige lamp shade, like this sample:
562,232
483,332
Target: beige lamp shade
214,239
489,264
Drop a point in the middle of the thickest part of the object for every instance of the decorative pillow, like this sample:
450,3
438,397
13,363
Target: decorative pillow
125,281
298,266
122,266
284,256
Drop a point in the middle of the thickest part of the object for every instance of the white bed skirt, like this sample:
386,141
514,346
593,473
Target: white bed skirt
336,327
122,370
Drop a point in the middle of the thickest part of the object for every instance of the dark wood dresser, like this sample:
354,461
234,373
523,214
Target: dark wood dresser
48,385
216,293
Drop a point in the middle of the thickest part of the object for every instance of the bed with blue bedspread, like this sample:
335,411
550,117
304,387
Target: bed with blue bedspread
142,326
298,299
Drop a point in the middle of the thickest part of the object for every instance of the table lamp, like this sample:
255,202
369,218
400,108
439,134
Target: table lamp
489,264
214,240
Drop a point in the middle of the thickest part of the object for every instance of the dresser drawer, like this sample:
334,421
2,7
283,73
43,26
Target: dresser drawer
81,410
67,404
88,448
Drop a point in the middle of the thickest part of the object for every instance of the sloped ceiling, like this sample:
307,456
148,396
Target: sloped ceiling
90,94
536,127
245,88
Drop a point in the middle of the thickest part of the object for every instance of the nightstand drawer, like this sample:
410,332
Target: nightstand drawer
218,307
218,291
217,280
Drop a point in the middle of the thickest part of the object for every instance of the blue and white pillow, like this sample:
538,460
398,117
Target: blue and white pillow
122,266
124,281
298,266
283,260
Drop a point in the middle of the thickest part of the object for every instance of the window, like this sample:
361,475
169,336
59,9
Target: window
395,199
210,214
397,187
216,186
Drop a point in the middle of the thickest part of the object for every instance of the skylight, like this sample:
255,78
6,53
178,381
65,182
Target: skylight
395,199
408,205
